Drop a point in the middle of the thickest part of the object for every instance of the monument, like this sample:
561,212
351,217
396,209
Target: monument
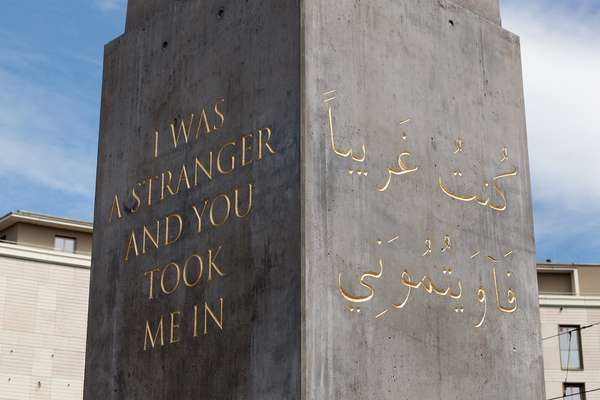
313,200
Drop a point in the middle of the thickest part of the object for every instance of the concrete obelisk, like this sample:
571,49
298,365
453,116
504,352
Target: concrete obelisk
313,200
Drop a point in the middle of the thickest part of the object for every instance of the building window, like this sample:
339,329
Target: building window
570,347
557,283
65,244
574,391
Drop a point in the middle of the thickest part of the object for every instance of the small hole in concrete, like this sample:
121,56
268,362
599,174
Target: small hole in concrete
221,13
165,45
451,22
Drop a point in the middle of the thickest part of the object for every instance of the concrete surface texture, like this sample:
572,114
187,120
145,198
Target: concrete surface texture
234,65
434,94
489,9
388,250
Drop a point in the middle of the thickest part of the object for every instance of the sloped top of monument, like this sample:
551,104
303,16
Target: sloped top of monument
488,9
140,11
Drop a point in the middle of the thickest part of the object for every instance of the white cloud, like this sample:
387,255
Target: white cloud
561,62
110,5
45,136
48,164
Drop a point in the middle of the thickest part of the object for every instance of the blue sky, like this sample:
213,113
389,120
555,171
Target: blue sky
50,78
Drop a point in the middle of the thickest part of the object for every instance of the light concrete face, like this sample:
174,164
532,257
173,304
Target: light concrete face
412,79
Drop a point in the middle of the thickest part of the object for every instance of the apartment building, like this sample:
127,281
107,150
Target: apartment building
44,279
570,318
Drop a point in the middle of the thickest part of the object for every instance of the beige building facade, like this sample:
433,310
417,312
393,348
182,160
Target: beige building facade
44,279
570,318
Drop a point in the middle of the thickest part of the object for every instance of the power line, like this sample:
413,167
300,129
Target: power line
575,394
572,330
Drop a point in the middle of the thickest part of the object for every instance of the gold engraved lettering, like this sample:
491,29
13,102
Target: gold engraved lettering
156,144
504,154
208,311
500,192
116,206
166,184
136,198
168,240
361,299
132,244
186,264
343,153
232,159
195,320
186,130
212,265
402,170
475,198
173,337
203,121
183,178
236,202
155,240
482,298
428,249
246,148
447,244
405,277
213,221
199,166
154,338
455,196
149,181
264,142
150,275
459,146
200,214
163,285
220,114
511,296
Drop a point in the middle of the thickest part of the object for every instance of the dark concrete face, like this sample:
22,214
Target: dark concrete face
411,79
142,12
189,56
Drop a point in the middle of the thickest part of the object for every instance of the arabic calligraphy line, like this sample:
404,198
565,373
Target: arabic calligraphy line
482,298
361,299
485,203
403,169
343,153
